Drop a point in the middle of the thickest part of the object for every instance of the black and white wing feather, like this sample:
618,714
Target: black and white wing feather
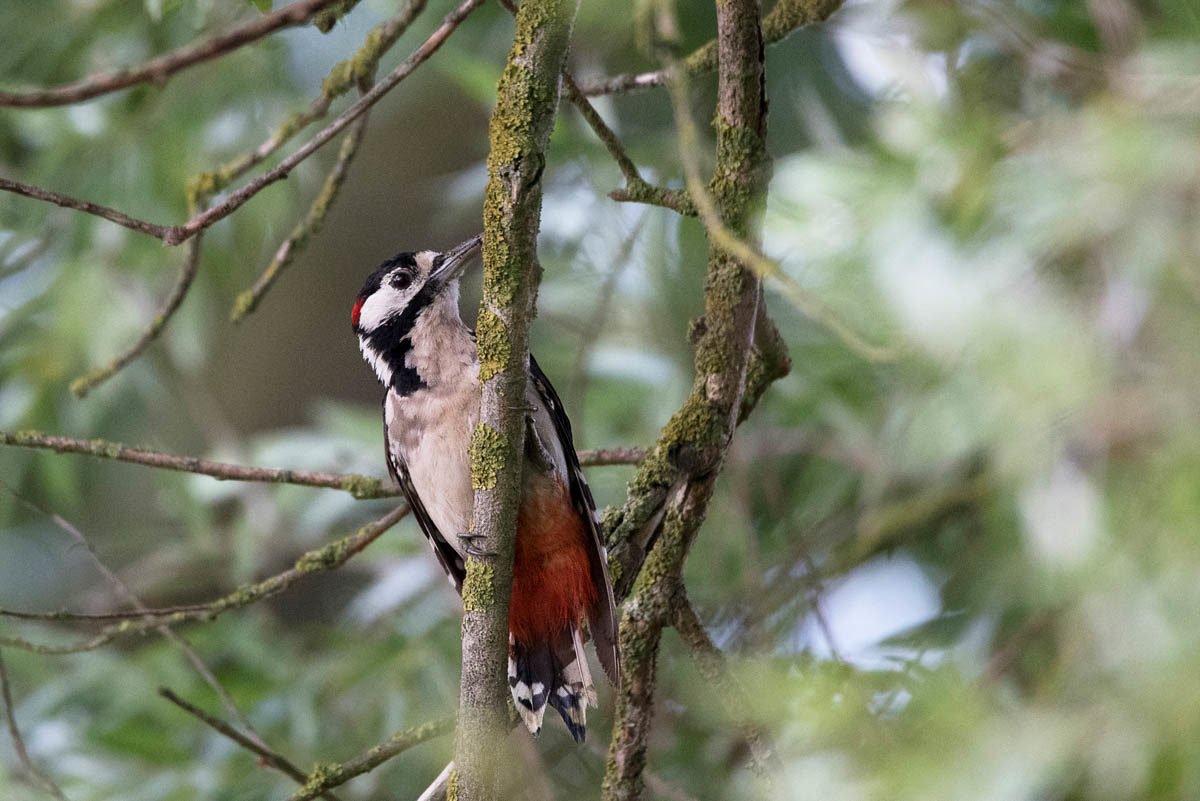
447,557
602,621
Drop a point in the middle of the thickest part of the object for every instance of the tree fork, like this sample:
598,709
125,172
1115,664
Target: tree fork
697,437
519,132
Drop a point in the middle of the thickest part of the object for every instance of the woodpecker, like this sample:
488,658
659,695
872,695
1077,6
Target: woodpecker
409,330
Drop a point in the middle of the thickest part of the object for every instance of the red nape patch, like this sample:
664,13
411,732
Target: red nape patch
354,313
552,579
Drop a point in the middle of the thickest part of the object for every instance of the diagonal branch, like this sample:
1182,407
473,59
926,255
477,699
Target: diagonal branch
344,76
122,589
187,274
781,22
269,757
178,234
360,486
158,69
713,667
324,777
329,557
39,777
296,241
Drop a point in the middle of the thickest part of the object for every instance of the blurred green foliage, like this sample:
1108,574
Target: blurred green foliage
967,572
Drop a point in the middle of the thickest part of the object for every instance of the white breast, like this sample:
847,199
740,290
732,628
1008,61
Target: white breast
431,430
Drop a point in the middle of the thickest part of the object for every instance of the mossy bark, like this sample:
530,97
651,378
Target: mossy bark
670,494
526,105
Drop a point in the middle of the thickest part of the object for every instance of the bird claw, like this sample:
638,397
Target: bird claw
468,543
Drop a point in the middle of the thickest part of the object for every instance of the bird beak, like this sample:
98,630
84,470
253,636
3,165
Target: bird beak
455,259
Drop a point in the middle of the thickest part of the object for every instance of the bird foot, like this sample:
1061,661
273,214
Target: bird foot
471,548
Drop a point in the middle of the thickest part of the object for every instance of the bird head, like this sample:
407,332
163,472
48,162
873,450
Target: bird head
405,292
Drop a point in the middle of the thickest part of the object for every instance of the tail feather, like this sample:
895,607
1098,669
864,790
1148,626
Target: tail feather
554,673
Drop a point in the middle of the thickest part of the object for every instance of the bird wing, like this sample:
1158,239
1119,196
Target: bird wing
602,620
447,557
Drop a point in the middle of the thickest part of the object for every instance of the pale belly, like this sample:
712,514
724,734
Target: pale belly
436,455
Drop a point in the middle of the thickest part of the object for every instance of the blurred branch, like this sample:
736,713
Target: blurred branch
158,69
879,529
122,589
806,302
344,76
178,234
39,777
325,777
85,383
329,557
527,101
360,486
714,668
269,757
291,247
357,485
783,20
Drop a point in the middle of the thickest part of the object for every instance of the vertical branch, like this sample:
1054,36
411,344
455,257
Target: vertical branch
682,469
526,105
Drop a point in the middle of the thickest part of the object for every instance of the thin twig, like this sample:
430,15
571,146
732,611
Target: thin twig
805,301
18,742
329,557
636,189
783,19
324,777
158,69
269,757
341,79
713,667
236,199
191,263
360,486
112,215
357,485
291,247
178,234
130,597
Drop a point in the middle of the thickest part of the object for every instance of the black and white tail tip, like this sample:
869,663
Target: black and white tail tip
556,675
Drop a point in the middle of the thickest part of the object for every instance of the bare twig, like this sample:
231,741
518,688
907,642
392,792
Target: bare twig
158,69
713,667
784,19
191,263
805,301
637,189
39,777
329,557
178,234
360,486
341,79
269,757
236,199
112,215
291,247
324,777
357,485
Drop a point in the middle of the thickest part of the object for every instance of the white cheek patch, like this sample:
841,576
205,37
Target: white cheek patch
380,306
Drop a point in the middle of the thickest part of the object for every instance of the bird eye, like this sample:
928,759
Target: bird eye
401,281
